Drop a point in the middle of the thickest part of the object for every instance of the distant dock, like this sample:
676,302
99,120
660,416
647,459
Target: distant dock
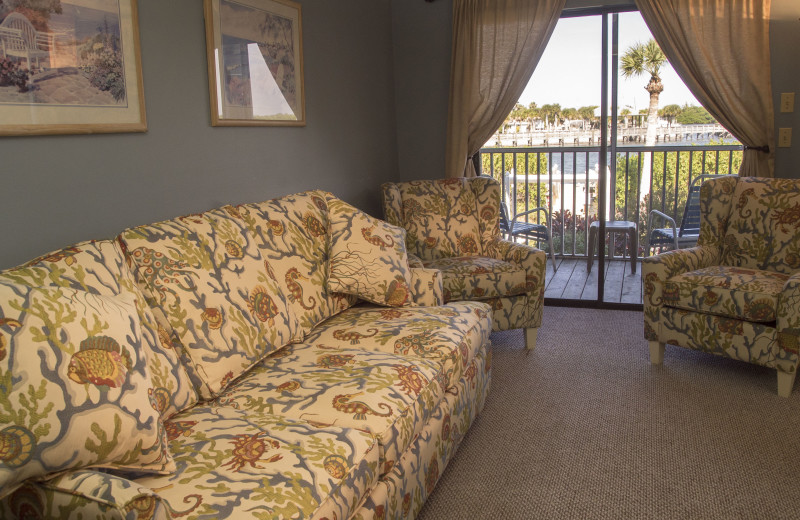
579,137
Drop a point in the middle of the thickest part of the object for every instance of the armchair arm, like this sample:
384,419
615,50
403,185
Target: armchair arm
533,261
426,287
530,212
656,213
656,270
788,323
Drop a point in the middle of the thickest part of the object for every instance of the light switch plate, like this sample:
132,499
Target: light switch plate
787,102
784,137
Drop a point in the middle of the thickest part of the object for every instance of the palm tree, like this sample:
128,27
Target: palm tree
670,112
639,59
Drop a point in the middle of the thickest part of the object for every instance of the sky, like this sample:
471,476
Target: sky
569,70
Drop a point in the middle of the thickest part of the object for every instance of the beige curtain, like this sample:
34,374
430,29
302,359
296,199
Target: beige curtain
720,48
496,46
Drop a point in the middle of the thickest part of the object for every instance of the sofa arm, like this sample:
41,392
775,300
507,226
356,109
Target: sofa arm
788,324
426,287
534,262
656,270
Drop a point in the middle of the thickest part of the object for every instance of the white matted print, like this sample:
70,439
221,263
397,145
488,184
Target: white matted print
255,62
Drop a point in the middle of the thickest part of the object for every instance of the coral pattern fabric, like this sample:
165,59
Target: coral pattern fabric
764,227
402,492
233,464
99,267
440,218
439,233
207,280
387,395
368,257
449,335
479,277
745,294
74,385
739,280
293,233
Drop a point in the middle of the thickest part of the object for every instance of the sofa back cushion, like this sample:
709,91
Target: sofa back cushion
210,288
441,218
716,199
763,231
293,233
99,267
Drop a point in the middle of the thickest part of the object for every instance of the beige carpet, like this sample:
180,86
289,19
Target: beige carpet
584,427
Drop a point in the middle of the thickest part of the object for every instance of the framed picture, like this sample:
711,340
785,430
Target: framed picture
70,67
255,62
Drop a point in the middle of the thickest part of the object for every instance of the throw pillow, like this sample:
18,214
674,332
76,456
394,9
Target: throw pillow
73,386
367,257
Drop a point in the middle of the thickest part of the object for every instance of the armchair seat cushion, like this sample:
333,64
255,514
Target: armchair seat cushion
732,292
478,277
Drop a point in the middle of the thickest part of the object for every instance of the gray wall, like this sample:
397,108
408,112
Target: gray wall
784,46
58,190
421,34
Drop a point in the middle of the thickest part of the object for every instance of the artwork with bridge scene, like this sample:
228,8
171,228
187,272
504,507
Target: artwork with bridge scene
61,53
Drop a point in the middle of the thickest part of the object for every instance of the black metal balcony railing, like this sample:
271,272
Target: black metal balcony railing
564,180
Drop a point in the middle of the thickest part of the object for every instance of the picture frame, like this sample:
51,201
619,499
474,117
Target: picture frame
70,67
255,62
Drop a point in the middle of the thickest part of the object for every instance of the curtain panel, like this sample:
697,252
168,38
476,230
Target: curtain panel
496,46
720,48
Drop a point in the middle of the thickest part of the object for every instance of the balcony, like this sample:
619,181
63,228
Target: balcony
565,181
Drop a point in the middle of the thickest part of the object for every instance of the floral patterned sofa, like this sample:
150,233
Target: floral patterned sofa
737,294
453,226
270,360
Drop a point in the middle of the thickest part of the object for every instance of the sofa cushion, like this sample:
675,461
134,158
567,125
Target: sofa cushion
449,334
84,494
368,257
293,234
733,292
388,395
233,463
74,386
209,286
763,230
478,277
441,218
99,267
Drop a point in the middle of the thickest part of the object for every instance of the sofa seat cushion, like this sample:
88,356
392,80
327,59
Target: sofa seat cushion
99,267
449,334
385,394
207,281
240,464
732,292
478,277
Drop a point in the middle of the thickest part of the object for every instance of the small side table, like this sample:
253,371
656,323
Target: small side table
614,226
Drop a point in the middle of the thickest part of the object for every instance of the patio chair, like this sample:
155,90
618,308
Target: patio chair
528,230
685,235
736,293
453,225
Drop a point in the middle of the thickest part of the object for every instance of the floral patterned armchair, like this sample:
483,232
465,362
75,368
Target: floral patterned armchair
453,225
737,294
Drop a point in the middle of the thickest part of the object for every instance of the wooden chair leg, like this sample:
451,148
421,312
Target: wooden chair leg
530,337
656,352
785,382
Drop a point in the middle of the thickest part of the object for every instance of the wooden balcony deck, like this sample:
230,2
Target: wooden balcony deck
572,282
